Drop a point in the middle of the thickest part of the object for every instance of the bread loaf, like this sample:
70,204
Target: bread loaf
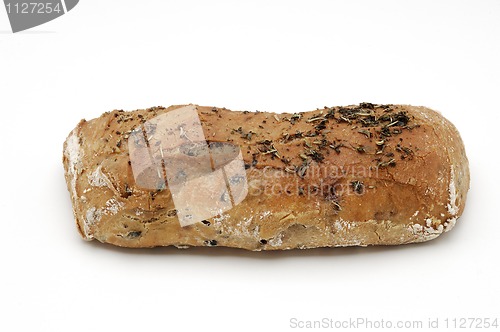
204,176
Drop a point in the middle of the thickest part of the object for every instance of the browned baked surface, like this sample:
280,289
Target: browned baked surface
339,176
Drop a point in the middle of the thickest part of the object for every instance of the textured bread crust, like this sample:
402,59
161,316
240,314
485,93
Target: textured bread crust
339,176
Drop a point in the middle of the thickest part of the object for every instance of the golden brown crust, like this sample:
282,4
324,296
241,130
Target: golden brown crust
356,175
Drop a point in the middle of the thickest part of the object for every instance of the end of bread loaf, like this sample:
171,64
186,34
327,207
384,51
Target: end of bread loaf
73,155
355,175
458,178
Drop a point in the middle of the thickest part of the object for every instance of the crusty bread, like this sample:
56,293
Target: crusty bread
338,176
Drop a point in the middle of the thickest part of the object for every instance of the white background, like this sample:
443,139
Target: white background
255,55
